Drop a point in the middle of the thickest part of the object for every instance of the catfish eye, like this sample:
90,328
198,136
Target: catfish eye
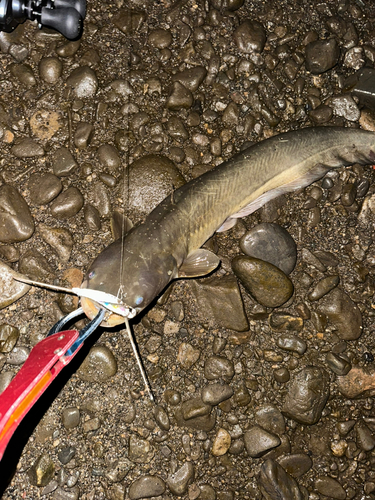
91,275
138,300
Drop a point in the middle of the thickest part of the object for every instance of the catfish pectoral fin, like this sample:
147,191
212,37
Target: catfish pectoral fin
198,263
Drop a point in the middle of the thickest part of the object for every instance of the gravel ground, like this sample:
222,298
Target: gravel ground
252,398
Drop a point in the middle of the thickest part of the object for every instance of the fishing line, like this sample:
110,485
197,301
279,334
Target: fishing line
121,292
139,360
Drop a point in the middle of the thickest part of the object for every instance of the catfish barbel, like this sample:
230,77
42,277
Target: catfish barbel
135,269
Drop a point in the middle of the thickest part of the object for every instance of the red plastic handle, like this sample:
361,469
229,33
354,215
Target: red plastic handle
44,363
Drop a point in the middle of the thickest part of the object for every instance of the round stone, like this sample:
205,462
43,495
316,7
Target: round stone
322,55
99,365
150,179
16,221
109,157
83,81
43,188
272,243
258,441
67,204
160,38
50,69
146,487
218,367
221,443
250,36
265,282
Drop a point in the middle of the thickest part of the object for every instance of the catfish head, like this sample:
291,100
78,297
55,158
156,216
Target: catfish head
133,276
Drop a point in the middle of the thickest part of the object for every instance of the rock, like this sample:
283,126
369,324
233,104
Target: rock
44,124
150,179
345,106
258,441
242,396
83,135
270,418
68,48
338,364
281,375
10,289
218,367
296,464
265,282
274,482
8,337
83,82
146,487
206,492
43,188
42,471
307,395
50,69
26,148
219,301
160,38
18,355
33,264
322,55
271,243
66,454
324,286
5,380
24,73
358,383
129,21
292,343
101,199
329,487
191,78
119,470
63,162
70,417
9,254
92,217
231,115
140,450
204,423
59,239
321,114
221,444
214,394
71,494
109,157
67,204
179,481
194,407
312,260
162,418
179,97
250,36
344,316
16,221
365,438
187,355
98,366
283,322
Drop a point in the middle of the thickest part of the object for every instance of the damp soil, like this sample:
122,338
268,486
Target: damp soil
117,87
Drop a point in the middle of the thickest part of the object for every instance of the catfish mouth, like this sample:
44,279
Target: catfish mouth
116,311
91,309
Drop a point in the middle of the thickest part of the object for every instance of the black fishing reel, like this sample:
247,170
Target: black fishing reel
65,16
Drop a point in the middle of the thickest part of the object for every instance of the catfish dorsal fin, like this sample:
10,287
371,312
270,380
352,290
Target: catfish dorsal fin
198,263
120,224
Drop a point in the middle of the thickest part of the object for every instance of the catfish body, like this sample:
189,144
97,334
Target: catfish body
167,244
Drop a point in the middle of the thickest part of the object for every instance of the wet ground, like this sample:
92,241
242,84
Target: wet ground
272,401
